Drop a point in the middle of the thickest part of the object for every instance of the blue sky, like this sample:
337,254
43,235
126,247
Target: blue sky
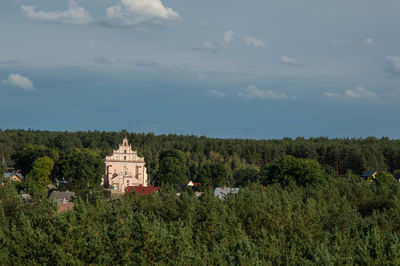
241,69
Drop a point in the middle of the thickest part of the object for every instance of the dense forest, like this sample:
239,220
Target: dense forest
301,201
339,156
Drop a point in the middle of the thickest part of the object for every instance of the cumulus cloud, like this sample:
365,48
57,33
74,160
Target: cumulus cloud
331,95
206,46
252,91
19,81
361,92
216,93
393,64
254,42
356,93
75,14
229,36
137,12
369,41
289,61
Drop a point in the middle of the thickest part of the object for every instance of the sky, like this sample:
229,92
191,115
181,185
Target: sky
219,68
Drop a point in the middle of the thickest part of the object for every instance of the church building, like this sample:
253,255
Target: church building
124,168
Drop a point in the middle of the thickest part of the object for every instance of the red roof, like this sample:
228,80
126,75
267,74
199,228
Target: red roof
62,207
196,184
143,190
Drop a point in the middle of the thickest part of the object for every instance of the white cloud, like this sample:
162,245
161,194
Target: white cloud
216,93
331,95
229,36
369,41
75,14
289,61
206,45
394,64
252,91
361,92
254,42
356,93
19,81
136,12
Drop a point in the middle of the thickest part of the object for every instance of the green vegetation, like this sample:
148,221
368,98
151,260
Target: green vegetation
300,202
339,222
172,168
38,177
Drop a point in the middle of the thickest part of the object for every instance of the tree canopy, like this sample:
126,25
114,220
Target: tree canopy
290,170
172,168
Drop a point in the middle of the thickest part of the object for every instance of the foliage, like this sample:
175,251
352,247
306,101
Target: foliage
334,223
27,154
172,168
38,177
384,177
82,168
214,175
290,170
245,176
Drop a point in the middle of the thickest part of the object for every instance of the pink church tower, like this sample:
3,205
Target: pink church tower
124,168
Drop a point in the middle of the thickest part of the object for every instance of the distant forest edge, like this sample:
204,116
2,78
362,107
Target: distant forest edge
336,156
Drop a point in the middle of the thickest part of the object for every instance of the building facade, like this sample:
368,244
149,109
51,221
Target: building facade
124,168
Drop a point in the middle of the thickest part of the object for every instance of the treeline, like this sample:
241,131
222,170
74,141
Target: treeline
334,223
337,156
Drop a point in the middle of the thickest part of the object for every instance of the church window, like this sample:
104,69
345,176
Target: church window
124,151
124,157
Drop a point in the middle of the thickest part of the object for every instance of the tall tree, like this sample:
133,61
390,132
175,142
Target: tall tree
290,170
172,168
214,174
27,154
38,177
82,168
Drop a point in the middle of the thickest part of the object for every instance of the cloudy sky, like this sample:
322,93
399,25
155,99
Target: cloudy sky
225,68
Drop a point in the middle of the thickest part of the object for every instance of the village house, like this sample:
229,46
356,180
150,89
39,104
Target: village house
368,176
61,196
124,168
221,192
14,176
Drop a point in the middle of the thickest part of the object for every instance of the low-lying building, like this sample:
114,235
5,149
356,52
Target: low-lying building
61,196
14,176
221,192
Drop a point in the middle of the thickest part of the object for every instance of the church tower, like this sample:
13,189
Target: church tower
124,168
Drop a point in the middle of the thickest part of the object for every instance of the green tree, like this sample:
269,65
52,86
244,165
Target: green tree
38,177
82,168
172,168
290,170
245,176
384,178
213,174
27,154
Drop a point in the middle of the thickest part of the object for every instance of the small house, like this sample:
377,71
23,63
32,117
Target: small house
368,175
221,192
61,196
14,176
